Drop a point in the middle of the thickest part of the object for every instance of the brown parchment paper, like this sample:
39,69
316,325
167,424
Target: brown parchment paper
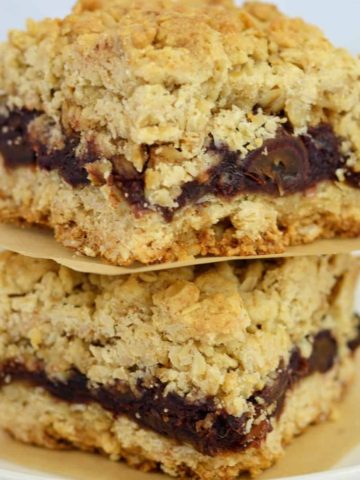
318,449
40,243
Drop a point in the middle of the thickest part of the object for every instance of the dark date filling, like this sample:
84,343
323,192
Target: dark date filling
284,165
208,428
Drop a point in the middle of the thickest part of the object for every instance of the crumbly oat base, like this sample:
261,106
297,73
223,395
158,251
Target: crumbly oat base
52,423
95,222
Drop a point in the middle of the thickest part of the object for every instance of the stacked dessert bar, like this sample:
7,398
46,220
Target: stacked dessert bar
205,372
160,130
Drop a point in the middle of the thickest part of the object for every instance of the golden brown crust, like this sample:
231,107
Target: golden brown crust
93,220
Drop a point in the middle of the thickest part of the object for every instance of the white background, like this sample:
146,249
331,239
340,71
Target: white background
338,18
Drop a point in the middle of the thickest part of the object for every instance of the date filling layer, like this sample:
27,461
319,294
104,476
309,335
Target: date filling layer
284,165
203,424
